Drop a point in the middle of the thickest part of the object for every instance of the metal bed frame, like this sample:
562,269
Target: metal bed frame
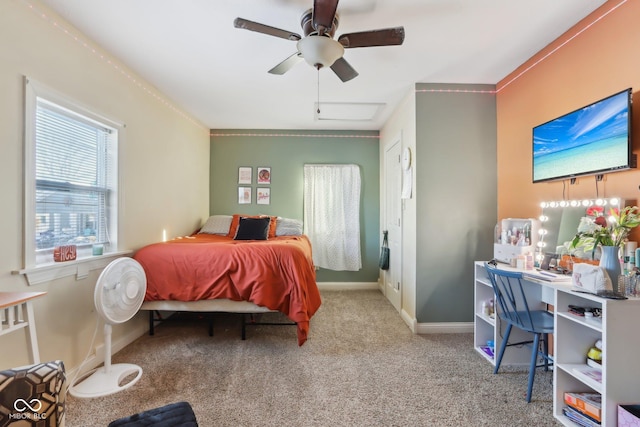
247,309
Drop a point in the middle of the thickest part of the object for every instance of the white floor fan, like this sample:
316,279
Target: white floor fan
118,295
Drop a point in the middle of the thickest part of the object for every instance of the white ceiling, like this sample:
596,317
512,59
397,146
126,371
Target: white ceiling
190,51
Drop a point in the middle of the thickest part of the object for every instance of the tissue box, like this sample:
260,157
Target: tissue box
590,278
629,415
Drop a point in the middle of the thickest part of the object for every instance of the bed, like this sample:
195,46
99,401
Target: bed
252,268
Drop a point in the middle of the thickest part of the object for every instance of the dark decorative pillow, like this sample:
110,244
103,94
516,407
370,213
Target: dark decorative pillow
233,228
253,229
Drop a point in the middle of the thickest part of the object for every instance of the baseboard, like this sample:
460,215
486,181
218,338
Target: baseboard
97,358
445,328
411,322
347,286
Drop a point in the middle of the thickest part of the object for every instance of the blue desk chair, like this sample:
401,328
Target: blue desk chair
513,309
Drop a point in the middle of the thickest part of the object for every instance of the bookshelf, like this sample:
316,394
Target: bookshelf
492,329
620,347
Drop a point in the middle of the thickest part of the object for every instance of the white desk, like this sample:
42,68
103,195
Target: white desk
547,288
572,339
539,294
16,312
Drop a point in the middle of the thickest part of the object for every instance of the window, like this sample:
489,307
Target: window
332,215
70,177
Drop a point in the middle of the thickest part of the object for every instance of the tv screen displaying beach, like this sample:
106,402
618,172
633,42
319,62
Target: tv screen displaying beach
591,139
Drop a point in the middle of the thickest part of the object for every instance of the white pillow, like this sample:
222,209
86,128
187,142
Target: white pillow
288,227
217,224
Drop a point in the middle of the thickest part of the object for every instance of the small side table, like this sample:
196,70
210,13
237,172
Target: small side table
16,312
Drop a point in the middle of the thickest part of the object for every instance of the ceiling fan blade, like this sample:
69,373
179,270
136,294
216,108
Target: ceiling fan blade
383,37
245,24
287,64
323,13
344,70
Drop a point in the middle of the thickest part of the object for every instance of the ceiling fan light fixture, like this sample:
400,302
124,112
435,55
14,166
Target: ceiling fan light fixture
320,51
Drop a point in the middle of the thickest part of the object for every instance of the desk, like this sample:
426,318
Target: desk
571,341
16,312
539,293
546,288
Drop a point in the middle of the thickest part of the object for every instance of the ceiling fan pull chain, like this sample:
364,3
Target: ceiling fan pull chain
318,76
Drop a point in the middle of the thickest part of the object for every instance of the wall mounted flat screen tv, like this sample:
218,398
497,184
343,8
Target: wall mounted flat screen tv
593,140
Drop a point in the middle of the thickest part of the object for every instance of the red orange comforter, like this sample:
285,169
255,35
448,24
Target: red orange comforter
277,273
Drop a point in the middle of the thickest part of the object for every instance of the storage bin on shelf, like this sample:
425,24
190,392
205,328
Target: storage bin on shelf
515,236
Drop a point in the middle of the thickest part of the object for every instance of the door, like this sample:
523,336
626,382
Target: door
392,223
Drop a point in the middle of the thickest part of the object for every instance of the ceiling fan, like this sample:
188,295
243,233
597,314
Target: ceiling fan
318,47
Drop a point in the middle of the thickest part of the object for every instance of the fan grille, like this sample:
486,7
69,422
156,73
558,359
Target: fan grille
120,290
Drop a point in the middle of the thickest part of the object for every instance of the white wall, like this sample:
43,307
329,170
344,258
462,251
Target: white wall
164,168
403,122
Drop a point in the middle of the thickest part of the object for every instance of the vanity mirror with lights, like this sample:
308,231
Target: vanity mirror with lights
559,225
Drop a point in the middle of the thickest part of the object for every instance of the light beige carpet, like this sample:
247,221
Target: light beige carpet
360,367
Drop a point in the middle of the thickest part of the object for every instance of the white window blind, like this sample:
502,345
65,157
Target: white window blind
73,181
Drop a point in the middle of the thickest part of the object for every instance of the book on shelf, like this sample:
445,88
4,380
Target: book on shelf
579,418
487,350
589,404
589,372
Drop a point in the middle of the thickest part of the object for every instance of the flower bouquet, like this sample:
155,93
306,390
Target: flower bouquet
597,230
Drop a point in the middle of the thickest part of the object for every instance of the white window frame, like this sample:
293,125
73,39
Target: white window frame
35,269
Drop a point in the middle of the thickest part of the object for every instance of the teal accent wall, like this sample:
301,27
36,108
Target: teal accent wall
286,152
456,198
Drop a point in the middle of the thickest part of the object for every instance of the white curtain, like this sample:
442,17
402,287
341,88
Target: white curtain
332,215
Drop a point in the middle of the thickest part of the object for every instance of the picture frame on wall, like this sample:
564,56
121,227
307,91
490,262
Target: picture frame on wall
244,175
264,175
244,195
263,196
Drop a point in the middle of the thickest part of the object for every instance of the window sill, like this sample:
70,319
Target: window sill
79,268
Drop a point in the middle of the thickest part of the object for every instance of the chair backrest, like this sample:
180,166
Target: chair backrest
510,296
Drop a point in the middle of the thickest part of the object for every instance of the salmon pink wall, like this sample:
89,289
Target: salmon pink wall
596,58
